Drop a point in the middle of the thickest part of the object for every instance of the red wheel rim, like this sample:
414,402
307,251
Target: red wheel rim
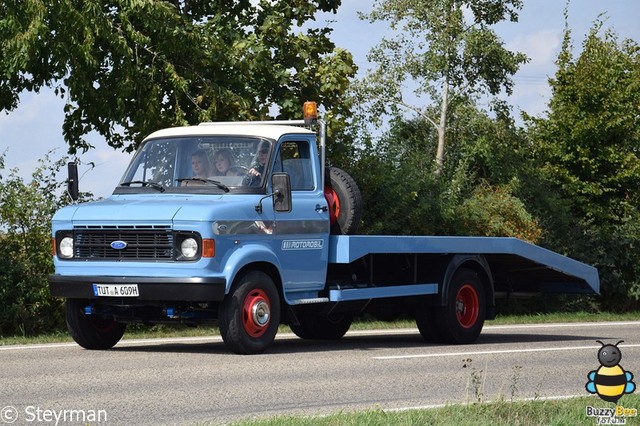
256,313
334,204
467,306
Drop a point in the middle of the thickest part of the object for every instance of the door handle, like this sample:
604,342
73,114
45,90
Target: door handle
320,208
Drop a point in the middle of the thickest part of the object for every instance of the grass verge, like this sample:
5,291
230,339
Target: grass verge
519,413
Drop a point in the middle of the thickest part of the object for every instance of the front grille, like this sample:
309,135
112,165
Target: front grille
143,242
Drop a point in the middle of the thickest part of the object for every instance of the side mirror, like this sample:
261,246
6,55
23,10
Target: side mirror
281,192
72,181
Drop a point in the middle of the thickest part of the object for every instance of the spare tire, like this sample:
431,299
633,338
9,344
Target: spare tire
345,201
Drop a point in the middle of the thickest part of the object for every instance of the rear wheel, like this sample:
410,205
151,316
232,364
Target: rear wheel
428,324
345,201
321,327
462,319
249,316
91,331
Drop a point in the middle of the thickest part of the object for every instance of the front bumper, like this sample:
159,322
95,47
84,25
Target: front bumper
191,289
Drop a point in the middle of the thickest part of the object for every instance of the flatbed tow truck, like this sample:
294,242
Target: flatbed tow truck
267,238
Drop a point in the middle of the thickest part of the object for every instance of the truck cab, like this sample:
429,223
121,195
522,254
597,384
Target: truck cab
198,207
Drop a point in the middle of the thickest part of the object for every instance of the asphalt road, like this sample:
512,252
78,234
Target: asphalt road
185,381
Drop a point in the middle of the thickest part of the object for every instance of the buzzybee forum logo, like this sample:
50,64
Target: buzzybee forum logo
610,381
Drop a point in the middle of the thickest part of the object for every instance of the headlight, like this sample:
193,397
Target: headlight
66,248
189,248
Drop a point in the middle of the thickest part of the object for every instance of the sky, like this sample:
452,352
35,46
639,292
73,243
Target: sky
32,130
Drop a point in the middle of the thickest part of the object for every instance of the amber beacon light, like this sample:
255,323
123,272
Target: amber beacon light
310,112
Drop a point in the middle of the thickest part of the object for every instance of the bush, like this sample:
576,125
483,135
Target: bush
493,211
26,210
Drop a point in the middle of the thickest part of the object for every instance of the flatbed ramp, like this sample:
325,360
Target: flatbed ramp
517,266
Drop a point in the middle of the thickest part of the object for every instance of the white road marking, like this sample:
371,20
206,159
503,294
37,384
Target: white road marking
31,347
504,351
562,324
432,406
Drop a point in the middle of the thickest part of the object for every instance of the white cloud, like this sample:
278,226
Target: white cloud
542,47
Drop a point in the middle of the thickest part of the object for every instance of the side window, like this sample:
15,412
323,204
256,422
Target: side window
294,158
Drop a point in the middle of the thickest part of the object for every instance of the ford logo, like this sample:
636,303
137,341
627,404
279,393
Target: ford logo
118,245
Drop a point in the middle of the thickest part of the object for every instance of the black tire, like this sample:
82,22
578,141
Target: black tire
250,314
91,331
345,201
462,319
321,327
428,325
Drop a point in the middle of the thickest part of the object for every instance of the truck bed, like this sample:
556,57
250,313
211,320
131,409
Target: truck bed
517,266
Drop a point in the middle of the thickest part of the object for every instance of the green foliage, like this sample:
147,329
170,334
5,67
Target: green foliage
495,211
592,134
399,191
436,44
477,194
589,166
440,53
128,68
615,250
26,210
489,145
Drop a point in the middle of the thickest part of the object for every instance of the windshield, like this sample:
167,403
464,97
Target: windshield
198,163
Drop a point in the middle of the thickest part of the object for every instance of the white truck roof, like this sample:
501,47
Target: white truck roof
271,131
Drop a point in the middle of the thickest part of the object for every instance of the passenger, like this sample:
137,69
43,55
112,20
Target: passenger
224,163
201,167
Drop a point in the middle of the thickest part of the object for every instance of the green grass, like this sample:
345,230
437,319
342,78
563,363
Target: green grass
133,332
150,332
565,317
519,413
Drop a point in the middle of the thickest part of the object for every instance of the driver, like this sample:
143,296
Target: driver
257,170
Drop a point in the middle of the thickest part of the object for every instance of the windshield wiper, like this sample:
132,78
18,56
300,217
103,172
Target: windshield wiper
220,185
154,185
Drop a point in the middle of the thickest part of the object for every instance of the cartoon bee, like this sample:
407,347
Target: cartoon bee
610,381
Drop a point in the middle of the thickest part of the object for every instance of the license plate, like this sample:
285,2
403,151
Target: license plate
115,290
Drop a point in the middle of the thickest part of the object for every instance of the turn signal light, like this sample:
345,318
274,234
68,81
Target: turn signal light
208,248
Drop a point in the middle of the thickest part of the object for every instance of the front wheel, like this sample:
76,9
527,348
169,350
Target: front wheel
91,331
462,319
249,316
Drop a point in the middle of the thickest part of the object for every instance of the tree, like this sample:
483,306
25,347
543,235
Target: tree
478,193
448,50
588,148
127,68
591,137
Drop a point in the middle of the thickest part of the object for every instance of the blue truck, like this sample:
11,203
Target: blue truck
242,226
